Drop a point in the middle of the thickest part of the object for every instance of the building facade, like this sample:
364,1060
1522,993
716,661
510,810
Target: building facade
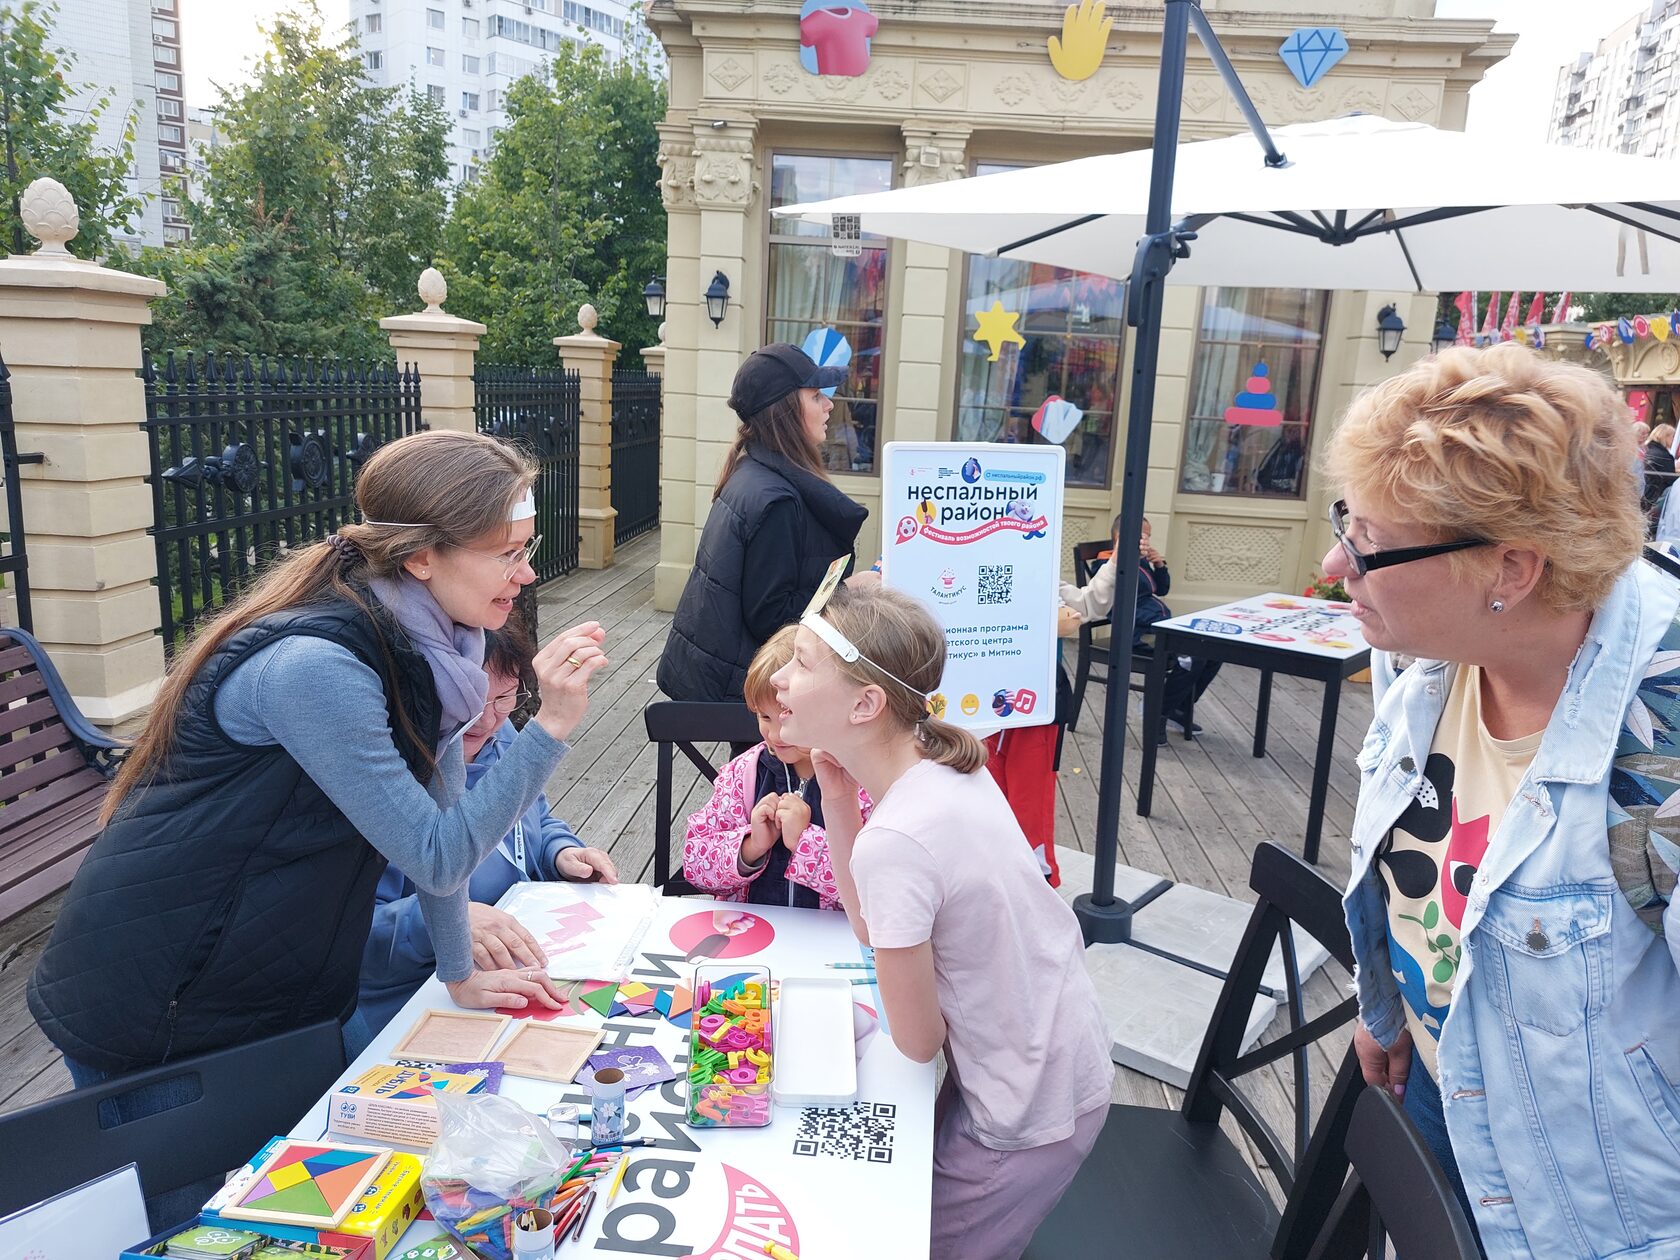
466,54
1622,95
951,92
130,50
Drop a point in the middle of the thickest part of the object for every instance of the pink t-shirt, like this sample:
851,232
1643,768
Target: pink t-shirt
840,37
943,858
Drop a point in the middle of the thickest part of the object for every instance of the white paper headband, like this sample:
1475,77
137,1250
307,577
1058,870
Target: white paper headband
523,510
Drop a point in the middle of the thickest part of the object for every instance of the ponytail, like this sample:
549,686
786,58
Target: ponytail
950,746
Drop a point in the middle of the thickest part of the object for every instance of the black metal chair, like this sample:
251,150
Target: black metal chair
1170,1184
1088,557
1397,1191
674,724
246,1094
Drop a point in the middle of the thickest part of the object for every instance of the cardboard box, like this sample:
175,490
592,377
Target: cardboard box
359,1248
392,1104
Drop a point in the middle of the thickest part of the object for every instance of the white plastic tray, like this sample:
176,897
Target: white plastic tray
816,1064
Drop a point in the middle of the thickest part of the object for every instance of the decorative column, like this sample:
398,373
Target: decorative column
592,356
444,349
933,153
710,186
70,333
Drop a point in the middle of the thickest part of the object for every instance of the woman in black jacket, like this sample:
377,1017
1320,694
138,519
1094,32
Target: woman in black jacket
777,523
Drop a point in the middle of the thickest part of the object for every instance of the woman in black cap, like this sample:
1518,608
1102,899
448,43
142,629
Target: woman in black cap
777,522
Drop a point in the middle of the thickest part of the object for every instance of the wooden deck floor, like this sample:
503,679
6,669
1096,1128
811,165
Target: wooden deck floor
1213,803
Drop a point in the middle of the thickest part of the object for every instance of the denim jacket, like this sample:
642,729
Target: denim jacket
1559,1060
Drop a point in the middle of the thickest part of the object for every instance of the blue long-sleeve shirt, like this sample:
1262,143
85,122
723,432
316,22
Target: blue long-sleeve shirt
399,954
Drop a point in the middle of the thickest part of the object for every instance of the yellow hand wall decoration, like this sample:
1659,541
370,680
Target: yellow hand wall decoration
1079,52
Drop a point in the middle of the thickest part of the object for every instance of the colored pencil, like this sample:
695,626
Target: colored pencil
857,966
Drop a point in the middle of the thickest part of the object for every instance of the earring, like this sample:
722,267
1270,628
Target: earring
1497,606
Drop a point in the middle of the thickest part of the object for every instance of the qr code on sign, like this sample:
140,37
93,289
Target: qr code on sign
862,1131
997,584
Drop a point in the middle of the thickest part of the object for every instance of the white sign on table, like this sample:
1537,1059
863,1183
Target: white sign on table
1291,623
974,532
825,1184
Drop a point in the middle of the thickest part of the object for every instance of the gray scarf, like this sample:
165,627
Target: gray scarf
455,652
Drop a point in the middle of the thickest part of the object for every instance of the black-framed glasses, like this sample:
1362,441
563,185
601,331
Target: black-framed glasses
1364,561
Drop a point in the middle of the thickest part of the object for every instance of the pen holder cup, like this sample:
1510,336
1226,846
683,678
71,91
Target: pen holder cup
731,1058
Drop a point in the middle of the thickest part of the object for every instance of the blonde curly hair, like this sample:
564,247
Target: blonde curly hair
1502,444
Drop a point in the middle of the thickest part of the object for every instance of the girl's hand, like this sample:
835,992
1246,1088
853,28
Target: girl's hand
765,827
583,865
1386,1069
840,795
793,815
500,940
515,988
563,670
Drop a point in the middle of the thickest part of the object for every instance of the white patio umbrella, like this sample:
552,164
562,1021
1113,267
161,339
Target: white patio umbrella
1405,205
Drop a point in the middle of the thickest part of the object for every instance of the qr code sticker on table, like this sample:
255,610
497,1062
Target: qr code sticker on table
862,1131
997,584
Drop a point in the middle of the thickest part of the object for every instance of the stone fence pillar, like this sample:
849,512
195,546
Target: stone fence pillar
70,333
444,349
592,356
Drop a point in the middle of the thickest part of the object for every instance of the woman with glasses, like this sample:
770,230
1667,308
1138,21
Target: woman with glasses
1513,850
399,954
305,737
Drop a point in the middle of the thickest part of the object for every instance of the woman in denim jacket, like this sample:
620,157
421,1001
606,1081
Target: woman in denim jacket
1511,902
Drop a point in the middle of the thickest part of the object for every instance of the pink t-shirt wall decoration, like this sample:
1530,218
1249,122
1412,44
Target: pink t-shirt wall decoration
834,36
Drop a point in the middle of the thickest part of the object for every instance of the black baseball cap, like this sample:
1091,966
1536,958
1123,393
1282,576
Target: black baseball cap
771,374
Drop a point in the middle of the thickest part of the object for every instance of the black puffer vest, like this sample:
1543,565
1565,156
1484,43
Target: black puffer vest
229,899
710,647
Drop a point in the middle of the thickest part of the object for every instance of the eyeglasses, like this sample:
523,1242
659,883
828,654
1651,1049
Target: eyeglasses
514,560
1364,561
505,706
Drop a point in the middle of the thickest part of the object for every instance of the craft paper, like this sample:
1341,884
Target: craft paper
1056,418
588,931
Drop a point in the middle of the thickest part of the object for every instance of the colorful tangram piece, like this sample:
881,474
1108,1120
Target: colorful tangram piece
599,996
314,1182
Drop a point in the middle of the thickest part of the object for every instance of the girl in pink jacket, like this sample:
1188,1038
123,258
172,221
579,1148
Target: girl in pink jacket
760,838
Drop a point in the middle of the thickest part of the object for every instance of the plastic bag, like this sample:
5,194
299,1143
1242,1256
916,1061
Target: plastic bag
492,1160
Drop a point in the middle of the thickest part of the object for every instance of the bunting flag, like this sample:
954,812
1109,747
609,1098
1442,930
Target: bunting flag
1466,303
1536,311
1560,312
1508,329
1490,325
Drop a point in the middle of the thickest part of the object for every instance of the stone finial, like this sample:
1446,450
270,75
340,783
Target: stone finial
433,290
49,215
587,319
661,334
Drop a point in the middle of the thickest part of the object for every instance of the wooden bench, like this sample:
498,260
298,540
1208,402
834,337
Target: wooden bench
54,769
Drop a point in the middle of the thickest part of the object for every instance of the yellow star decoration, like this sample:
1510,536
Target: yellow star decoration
996,327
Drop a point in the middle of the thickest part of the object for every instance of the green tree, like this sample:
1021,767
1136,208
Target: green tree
567,210
42,134
320,209
1598,307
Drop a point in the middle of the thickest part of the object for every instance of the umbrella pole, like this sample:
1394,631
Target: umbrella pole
1103,918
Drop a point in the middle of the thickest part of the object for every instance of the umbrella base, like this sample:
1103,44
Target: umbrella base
1103,925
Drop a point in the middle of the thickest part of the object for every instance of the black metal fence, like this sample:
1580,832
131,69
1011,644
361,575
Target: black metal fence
540,408
14,564
251,459
635,452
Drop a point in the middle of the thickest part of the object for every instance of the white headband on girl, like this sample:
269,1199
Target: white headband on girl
523,510
848,651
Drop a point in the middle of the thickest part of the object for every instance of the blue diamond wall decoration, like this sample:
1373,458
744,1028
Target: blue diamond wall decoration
1311,51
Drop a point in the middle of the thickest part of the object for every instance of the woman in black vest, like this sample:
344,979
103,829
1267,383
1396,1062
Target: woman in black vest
305,736
777,522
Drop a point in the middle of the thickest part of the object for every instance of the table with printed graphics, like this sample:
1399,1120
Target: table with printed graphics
827,1184
1275,634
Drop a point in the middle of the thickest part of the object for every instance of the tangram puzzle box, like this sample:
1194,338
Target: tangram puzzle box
392,1104
383,1213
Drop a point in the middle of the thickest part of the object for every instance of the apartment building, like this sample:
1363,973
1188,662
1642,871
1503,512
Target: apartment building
1621,95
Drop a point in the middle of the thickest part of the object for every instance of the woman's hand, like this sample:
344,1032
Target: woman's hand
584,865
841,812
1386,1069
513,988
500,940
793,815
563,670
762,838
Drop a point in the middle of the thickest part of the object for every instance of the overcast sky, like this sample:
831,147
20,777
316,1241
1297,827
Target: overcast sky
1515,99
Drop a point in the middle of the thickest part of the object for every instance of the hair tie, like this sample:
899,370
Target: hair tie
348,552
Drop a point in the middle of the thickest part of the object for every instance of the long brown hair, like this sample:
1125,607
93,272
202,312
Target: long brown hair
441,489
899,635
780,427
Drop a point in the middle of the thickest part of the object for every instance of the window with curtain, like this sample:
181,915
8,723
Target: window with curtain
814,290
1074,324
1254,381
